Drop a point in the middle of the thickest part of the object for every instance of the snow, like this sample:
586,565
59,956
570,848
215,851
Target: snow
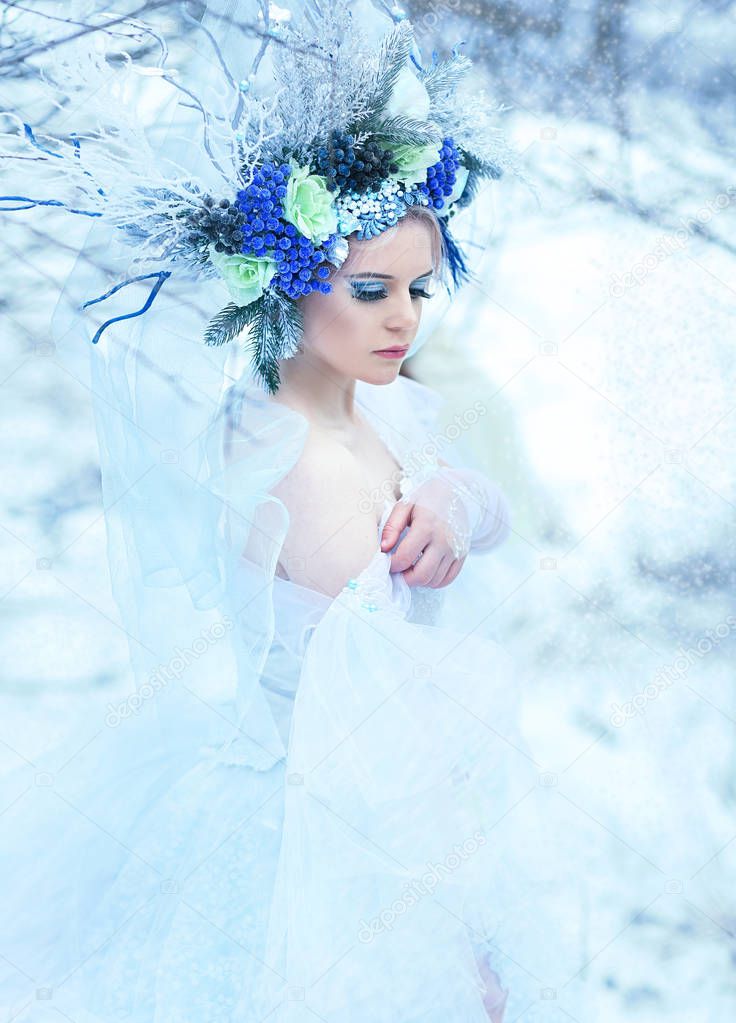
599,339
610,425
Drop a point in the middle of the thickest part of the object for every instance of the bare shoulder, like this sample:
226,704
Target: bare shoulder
319,469
331,536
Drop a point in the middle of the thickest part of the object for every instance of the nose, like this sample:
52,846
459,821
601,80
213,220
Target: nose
403,314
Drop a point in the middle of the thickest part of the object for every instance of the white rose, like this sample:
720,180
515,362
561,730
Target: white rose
409,97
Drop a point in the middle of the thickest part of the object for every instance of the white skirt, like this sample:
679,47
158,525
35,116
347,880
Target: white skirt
394,868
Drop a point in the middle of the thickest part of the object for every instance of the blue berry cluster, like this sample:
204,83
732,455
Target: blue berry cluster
441,175
302,266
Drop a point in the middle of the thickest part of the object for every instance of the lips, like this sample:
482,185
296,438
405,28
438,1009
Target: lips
395,349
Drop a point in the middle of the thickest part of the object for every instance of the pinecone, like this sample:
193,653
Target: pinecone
357,169
220,225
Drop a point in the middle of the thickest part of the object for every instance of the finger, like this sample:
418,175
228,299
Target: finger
442,572
452,573
425,569
416,540
442,569
455,570
399,517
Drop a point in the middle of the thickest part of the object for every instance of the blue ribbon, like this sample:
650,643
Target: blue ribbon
161,276
59,156
34,142
43,202
77,152
435,56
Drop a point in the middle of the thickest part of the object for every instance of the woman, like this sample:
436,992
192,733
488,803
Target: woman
343,864
309,803
333,534
363,329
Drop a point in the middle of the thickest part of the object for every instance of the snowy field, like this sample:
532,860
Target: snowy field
601,344
600,339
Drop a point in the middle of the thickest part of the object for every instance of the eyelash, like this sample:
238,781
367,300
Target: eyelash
373,294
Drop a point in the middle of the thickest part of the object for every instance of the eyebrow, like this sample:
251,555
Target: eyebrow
388,277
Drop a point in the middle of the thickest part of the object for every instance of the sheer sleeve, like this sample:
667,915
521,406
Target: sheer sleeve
409,416
485,504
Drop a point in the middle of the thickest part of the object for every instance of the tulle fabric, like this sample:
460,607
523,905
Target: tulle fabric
300,805
359,879
296,805
403,755
317,817
139,854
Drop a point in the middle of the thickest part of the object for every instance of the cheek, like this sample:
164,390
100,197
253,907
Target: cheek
343,325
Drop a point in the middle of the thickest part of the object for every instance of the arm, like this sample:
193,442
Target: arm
449,512
330,540
486,507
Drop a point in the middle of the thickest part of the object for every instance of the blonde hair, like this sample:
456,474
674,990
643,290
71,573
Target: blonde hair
421,214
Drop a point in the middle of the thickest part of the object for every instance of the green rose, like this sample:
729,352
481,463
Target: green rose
413,162
245,277
308,204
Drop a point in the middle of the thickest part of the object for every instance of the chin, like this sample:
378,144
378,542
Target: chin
385,374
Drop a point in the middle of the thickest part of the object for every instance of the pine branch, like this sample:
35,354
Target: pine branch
478,170
442,80
405,131
392,58
291,325
470,191
229,322
277,330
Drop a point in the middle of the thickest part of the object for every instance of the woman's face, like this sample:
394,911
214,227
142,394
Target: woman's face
375,304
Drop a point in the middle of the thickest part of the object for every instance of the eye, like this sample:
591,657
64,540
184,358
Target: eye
425,290
367,292
373,292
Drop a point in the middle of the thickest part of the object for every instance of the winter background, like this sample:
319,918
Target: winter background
598,340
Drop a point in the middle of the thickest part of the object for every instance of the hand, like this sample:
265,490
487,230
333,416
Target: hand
494,999
436,519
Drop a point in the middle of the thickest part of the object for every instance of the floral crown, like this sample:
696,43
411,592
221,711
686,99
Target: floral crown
352,140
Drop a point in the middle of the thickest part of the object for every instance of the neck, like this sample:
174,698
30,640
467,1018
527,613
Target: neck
310,386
